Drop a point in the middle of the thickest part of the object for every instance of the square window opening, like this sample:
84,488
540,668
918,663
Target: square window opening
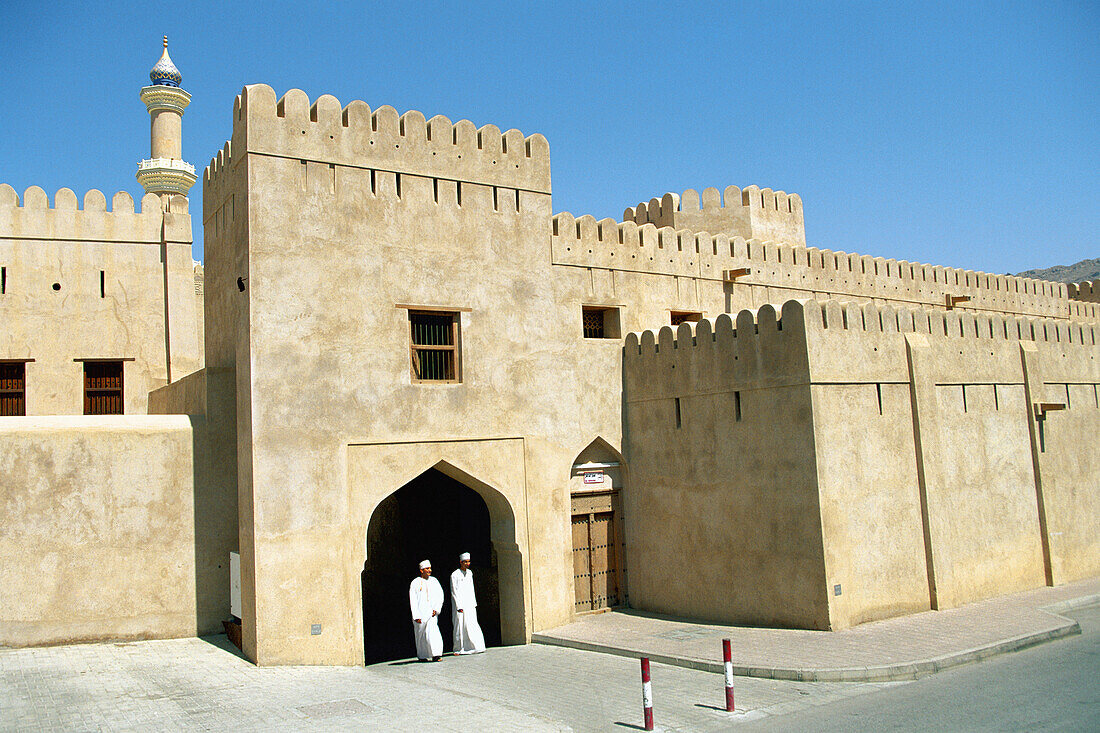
13,388
600,322
103,388
435,346
678,317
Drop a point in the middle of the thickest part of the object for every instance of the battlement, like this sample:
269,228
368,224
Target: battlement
795,271
384,140
809,338
750,213
1088,291
762,347
32,217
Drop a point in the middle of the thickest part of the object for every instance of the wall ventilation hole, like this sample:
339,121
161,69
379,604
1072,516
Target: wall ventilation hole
56,286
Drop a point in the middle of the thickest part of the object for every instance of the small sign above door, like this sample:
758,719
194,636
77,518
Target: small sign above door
593,477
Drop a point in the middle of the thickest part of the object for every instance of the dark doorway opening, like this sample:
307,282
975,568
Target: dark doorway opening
432,517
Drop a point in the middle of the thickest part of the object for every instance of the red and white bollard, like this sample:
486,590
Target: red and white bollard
647,695
727,657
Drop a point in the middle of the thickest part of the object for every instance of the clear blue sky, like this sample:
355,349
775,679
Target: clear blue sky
952,133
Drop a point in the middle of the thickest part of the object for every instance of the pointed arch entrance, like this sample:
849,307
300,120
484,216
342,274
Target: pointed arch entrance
435,516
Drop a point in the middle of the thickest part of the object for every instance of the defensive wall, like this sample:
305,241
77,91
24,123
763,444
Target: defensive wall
92,284
938,459
752,213
100,537
773,272
1088,291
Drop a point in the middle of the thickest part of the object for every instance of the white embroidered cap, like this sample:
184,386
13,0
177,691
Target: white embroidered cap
464,556
425,564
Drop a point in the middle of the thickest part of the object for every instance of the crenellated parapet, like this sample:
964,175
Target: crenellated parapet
32,217
383,140
834,341
764,347
752,213
782,270
1088,291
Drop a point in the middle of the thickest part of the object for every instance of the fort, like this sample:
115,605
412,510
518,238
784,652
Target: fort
392,330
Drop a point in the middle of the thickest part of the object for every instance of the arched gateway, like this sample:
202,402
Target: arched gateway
438,514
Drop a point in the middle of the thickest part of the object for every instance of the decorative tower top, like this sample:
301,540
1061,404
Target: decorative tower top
164,72
165,172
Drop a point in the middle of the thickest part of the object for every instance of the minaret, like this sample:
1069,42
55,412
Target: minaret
165,172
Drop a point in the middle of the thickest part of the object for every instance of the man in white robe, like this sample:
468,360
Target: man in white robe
468,636
426,601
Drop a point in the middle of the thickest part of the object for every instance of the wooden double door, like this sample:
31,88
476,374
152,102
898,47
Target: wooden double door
599,573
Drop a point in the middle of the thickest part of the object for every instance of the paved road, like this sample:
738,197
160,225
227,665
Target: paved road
1054,687
195,684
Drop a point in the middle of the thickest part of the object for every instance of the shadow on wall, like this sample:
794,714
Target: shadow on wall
432,517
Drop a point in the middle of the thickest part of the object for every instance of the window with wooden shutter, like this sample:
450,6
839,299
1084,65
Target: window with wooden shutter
13,388
103,388
435,346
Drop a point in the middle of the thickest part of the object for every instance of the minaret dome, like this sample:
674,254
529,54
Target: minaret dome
164,72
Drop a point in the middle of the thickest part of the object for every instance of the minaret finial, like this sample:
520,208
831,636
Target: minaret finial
165,72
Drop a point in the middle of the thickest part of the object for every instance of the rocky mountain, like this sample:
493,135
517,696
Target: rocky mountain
1082,271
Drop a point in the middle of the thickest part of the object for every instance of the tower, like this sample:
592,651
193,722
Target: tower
165,172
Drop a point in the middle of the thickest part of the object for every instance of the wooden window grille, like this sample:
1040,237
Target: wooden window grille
678,317
599,322
103,388
435,339
593,323
13,389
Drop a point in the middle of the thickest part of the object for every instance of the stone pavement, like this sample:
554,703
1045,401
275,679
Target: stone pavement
203,684
895,649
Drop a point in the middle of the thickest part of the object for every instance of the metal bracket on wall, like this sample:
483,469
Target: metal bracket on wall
730,276
1042,408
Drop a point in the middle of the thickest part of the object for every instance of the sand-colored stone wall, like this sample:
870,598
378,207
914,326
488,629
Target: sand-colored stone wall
776,272
99,536
723,522
948,458
95,284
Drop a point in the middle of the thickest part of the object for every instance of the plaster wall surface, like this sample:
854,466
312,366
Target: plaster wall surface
99,537
722,504
92,284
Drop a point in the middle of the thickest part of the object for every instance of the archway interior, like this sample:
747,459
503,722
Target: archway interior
432,517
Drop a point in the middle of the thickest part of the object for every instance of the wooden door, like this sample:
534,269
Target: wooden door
601,534
597,569
582,563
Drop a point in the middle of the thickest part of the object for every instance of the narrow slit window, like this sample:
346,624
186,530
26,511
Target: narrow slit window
678,420
102,284
435,346
13,388
3,280
496,205
103,388
878,394
737,407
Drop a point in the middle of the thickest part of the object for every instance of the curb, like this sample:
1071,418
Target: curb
883,673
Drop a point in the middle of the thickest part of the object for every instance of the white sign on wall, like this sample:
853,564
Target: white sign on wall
593,477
